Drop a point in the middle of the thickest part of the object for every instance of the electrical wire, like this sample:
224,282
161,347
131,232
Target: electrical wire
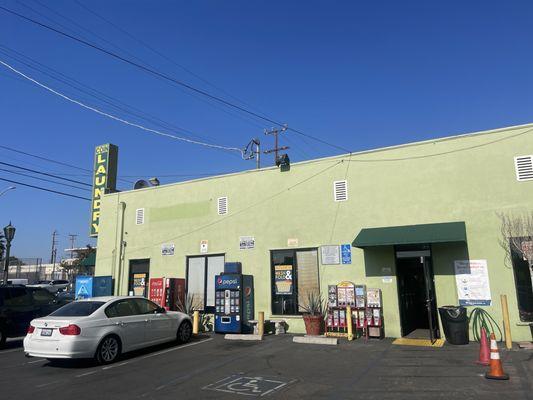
43,179
113,117
169,78
45,173
44,189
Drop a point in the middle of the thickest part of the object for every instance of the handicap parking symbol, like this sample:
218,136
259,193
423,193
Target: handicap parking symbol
247,385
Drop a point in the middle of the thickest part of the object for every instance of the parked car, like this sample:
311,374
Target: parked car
52,286
65,297
19,305
103,328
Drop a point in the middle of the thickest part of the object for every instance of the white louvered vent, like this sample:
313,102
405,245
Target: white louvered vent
524,168
340,190
222,205
139,216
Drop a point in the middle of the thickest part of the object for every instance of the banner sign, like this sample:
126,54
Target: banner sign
104,180
139,284
346,253
472,279
246,242
283,279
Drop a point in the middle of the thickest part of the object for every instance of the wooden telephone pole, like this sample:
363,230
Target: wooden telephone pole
275,132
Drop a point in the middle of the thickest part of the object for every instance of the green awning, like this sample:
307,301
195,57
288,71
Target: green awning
411,234
90,260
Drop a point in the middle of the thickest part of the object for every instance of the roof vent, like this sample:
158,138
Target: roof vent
139,216
524,168
340,190
222,205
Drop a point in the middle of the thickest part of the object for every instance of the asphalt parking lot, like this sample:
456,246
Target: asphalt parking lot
210,367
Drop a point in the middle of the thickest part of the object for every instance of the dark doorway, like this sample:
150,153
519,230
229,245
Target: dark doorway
138,277
416,293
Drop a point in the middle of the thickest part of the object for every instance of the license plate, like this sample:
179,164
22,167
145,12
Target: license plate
46,332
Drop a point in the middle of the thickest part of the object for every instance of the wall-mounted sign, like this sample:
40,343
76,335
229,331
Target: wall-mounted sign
167,249
283,279
346,253
330,255
139,284
292,242
203,246
472,280
246,242
104,180
386,279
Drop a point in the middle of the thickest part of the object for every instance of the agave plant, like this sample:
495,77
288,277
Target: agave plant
194,303
313,303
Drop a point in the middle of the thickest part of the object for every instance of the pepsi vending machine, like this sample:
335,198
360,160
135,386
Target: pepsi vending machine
234,300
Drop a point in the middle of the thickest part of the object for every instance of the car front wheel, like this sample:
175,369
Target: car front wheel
108,351
184,332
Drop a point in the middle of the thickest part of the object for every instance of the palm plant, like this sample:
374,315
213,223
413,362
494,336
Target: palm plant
313,304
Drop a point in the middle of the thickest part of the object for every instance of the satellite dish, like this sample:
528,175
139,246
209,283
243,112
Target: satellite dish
141,184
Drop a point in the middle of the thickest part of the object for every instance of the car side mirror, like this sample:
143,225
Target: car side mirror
160,310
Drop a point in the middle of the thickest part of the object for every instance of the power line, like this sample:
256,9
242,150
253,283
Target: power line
168,78
45,189
113,117
45,173
43,179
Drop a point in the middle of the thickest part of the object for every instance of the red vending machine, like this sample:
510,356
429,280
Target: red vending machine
168,292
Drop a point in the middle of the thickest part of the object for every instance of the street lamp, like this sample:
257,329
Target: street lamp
7,189
9,233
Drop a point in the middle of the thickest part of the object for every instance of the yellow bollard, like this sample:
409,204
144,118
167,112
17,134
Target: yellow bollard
195,322
349,322
261,323
506,322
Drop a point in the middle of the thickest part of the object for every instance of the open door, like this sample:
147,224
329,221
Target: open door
431,301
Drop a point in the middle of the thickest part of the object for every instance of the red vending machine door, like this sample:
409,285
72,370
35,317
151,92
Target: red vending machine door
157,292
175,293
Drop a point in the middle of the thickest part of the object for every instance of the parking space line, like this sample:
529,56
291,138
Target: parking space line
85,374
9,351
47,384
174,349
36,361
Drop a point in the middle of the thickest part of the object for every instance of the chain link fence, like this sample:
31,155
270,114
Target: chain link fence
33,269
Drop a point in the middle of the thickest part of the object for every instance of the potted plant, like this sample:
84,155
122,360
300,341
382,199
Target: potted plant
313,313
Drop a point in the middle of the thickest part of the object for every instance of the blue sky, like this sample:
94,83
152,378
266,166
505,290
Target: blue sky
358,74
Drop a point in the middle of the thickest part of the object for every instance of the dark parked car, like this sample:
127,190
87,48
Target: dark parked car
19,305
65,297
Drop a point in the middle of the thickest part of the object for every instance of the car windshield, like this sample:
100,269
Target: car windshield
78,309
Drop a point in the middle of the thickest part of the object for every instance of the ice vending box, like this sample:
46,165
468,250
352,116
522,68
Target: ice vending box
234,303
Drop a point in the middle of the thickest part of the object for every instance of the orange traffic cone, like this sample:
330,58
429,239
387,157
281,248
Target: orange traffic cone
484,353
495,364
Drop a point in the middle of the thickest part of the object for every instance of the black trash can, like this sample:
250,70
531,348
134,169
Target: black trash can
455,324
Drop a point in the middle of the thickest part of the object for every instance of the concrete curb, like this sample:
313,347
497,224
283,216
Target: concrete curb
238,336
316,340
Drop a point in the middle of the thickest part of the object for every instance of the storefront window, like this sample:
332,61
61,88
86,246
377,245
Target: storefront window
294,275
524,292
201,271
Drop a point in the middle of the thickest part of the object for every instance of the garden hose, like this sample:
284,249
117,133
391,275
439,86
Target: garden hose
479,318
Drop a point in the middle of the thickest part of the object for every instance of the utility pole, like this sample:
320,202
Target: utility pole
275,132
72,239
54,252
253,153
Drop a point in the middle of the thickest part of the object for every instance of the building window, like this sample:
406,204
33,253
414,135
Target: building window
524,281
201,271
294,275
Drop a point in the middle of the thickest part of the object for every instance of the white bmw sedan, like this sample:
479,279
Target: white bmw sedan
103,328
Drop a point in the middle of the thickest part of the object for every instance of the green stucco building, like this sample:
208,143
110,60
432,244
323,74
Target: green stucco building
405,209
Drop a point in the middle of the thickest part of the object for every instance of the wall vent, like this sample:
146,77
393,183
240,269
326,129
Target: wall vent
139,216
340,190
222,205
524,168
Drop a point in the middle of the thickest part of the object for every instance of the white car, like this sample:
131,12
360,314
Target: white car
52,286
103,328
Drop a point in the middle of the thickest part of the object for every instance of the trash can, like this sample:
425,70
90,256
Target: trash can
455,324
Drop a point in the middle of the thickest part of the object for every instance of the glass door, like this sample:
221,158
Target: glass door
431,302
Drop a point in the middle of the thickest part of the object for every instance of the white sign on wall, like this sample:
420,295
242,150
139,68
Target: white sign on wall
203,246
167,249
330,254
246,242
472,280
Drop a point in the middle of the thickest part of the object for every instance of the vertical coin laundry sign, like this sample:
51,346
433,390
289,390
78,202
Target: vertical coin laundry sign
104,181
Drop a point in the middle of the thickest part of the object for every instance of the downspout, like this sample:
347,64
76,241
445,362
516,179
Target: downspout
120,253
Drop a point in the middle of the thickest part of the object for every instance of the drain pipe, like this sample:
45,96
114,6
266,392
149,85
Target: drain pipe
121,244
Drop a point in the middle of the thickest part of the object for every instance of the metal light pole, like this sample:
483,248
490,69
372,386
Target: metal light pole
9,233
7,189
